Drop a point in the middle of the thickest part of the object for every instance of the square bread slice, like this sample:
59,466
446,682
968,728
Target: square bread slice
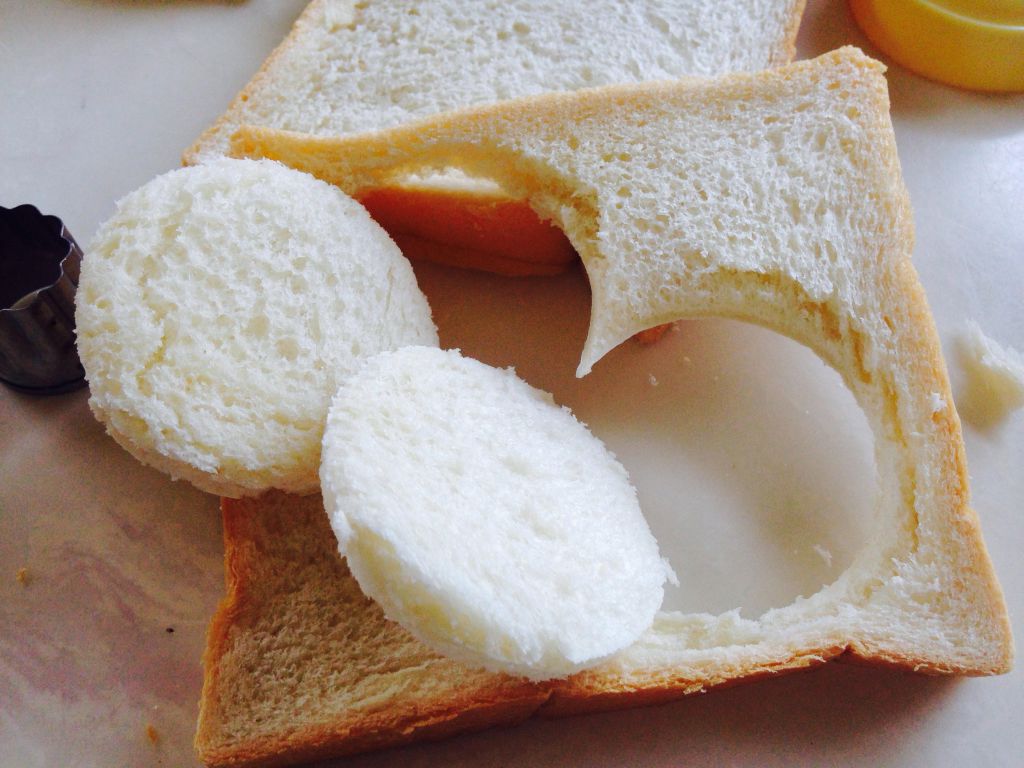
350,67
774,198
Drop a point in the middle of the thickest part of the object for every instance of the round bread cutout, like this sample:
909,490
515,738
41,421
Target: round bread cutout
484,518
219,308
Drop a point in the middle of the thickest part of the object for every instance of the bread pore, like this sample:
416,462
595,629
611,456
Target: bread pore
218,309
485,519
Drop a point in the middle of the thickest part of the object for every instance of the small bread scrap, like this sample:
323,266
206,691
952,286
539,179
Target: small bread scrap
219,307
995,377
485,519
774,198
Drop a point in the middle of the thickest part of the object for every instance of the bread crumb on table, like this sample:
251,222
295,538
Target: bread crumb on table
152,734
994,377
23,576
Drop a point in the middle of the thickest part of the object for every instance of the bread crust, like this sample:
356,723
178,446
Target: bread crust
248,523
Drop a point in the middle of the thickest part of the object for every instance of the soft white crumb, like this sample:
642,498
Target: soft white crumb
653,380
937,402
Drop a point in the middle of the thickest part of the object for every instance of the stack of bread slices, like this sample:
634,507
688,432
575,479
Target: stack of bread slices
250,328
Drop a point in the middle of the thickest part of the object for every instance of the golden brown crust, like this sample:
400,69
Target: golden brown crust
959,523
570,697
239,554
987,594
424,721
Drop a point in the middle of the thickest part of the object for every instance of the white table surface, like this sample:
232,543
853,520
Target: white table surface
752,461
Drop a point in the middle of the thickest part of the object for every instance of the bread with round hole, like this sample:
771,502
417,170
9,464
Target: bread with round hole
774,198
349,67
218,309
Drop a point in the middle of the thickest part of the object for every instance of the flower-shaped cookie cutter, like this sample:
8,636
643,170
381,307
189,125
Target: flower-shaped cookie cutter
39,266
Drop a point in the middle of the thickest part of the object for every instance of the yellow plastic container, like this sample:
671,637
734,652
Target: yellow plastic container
976,44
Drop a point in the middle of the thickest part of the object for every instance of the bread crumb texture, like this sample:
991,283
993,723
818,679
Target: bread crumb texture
484,518
219,307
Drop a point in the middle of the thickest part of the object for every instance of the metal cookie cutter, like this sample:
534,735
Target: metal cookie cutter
39,264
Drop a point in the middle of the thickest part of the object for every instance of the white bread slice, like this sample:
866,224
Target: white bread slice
484,518
349,67
218,309
774,198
